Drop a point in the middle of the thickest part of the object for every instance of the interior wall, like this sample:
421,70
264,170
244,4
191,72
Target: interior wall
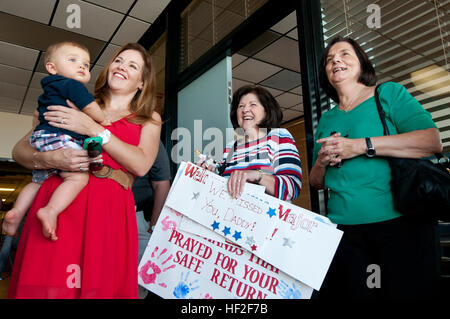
297,129
12,128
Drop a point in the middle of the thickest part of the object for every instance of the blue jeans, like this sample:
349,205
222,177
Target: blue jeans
5,251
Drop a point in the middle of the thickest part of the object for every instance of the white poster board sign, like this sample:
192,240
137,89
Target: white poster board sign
178,264
297,241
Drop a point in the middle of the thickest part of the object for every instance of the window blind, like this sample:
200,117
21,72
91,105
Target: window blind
206,22
409,46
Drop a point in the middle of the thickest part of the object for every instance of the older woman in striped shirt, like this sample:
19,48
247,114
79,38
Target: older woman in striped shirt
262,153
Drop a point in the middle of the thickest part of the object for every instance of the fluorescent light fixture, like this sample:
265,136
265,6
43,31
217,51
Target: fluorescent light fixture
2,189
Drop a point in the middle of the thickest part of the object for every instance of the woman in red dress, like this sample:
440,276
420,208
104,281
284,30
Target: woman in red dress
96,254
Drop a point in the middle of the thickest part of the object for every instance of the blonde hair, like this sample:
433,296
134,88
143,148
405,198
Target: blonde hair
55,46
144,102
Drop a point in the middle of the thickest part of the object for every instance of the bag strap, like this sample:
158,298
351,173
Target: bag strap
223,166
230,153
441,158
380,111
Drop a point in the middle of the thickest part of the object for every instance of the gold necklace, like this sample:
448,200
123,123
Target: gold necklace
349,106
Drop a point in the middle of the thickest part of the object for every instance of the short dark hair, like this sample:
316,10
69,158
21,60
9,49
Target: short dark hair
271,107
367,77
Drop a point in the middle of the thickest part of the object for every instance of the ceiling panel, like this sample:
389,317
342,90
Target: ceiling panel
287,100
39,11
18,56
36,80
239,83
300,99
286,24
273,91
297,90
254,71
9,105
130,31
13,91
298,107
148,10
30,103
284,80
290,114
91,17
198,19
38,36
283,52
117,5
236,84
90,87
40,67
293,34
107,54
271,51
28,108
95,72
236,59
259,43
14,75
11,97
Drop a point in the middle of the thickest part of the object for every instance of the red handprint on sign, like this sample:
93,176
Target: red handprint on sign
155,270
168,224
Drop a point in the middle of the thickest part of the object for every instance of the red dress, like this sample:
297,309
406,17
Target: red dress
96,254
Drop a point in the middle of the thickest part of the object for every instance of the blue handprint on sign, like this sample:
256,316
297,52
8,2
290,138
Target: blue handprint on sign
184,288
287,292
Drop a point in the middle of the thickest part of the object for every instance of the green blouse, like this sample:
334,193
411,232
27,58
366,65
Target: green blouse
360,191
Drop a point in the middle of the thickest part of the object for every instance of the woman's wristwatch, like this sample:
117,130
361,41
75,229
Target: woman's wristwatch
105,135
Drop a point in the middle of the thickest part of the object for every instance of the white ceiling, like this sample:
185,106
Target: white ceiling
34,24
271,60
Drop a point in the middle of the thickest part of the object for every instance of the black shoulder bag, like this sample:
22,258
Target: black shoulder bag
420,188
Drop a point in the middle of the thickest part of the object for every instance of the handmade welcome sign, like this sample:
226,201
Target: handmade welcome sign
178,264
296,241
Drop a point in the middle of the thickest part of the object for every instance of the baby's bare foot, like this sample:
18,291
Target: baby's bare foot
49,218
11,222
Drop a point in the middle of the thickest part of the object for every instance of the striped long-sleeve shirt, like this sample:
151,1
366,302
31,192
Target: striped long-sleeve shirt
275,154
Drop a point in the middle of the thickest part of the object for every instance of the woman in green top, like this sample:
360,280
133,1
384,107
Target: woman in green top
380,248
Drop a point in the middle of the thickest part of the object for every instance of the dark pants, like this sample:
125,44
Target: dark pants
395,259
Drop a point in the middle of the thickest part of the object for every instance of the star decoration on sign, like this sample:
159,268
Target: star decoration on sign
226,230
250,241
271,212
254,247
215,225
288,242
195,195
237,235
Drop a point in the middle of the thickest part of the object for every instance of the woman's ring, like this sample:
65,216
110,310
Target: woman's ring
62,121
